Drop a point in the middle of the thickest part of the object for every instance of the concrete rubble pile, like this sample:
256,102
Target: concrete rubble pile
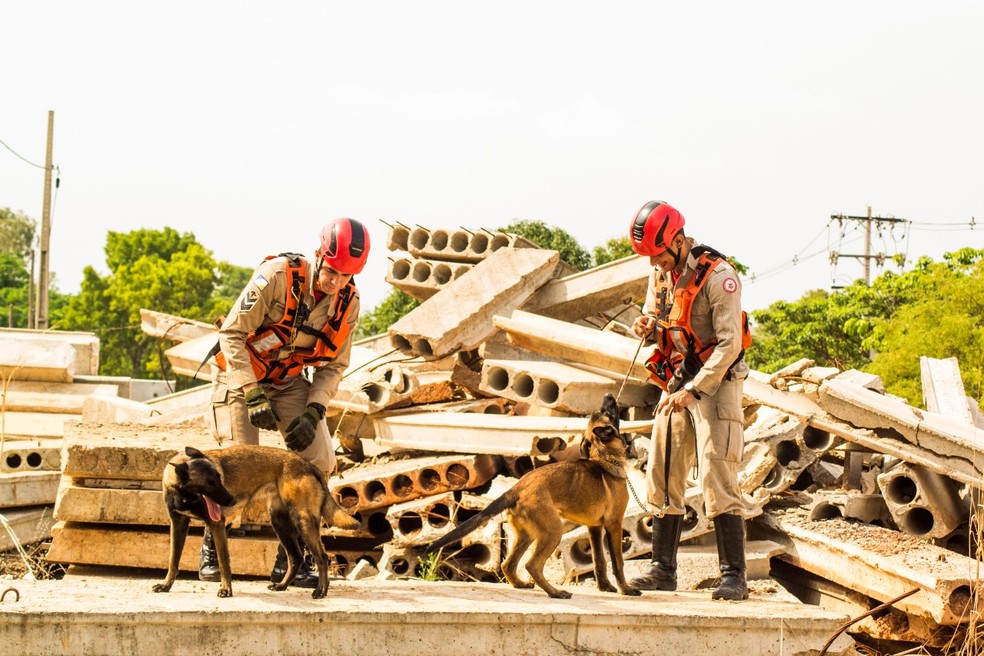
860,497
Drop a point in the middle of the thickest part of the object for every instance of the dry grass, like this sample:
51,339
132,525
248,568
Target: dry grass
33,562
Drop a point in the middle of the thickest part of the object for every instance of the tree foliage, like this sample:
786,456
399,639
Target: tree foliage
555,239
614,249
159,269
378,320
933,310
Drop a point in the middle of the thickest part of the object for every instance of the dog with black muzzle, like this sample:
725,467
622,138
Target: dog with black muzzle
215,486
590,491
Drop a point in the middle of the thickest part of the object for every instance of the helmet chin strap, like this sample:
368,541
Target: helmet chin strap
676,256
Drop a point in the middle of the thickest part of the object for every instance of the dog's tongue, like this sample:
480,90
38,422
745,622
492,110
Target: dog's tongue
214,510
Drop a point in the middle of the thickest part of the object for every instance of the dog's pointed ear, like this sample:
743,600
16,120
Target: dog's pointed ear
192,452
585,449
182,470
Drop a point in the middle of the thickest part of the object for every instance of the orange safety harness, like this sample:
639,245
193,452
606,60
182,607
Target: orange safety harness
677,344
264,345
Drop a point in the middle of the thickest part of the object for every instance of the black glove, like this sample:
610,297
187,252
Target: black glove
261,413
300,432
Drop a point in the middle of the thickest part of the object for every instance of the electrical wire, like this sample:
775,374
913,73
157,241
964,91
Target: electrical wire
19,155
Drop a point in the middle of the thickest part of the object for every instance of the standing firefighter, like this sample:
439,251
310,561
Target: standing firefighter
694,319
294,313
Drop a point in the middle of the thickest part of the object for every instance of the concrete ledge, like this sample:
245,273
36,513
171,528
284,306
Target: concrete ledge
121,616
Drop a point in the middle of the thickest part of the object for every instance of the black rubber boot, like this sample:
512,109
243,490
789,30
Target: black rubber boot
208,562
306,577
730,533
666,539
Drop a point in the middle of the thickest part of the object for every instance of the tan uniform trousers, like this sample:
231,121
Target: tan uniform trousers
229,419
710,432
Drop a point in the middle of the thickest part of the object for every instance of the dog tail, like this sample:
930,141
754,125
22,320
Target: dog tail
335,516
500,505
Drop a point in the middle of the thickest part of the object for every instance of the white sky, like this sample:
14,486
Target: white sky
250,123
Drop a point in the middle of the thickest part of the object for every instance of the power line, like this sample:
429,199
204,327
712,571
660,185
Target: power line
19,155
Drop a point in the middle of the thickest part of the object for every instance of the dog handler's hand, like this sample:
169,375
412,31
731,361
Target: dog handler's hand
261,413
301,431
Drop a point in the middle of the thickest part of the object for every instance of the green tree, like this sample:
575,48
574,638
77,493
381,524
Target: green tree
942,318
555,239
158,269
378,320
16,233
614,249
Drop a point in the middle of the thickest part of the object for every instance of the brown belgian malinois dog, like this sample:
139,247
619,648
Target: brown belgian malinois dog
590,491
215,486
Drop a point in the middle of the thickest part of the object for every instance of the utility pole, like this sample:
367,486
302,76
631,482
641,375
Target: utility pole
866,257
44,275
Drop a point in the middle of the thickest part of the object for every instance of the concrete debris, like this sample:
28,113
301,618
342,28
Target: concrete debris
859,496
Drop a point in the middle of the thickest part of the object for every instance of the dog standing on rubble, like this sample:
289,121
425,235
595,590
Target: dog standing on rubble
215,486
590,491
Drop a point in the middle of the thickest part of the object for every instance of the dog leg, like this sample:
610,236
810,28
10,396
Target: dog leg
522,541
613,532
546,544
179,532
221,539
598,557
283,526
310,528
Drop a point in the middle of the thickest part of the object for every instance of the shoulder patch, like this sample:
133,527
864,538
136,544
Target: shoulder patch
260,282
730,285
249,300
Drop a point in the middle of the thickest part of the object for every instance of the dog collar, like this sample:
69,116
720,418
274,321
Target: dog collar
613,467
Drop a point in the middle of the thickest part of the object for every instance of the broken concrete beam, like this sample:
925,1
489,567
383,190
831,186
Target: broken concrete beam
616,284
796,446
923,503
471,433
867,508
21,359
35,425
960,468
880,563
113,410
84,345
54,398
134,452
28,488
940,434
421,521
943,389
30,455
403,480
29,524
458,245
460,315
423,278
186,357
568,341
176,329
559,386
148,547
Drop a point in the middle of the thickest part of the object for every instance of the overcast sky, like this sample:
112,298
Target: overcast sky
250,124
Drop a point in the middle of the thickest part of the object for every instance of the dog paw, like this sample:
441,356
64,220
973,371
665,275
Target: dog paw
224,592
161,587
560,594
319,594
276,587
631,592
606,587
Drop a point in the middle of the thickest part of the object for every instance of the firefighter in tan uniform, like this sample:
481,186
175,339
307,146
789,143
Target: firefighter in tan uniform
693,316
295,313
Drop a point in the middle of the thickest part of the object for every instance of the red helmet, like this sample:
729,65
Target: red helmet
654,227
344,245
